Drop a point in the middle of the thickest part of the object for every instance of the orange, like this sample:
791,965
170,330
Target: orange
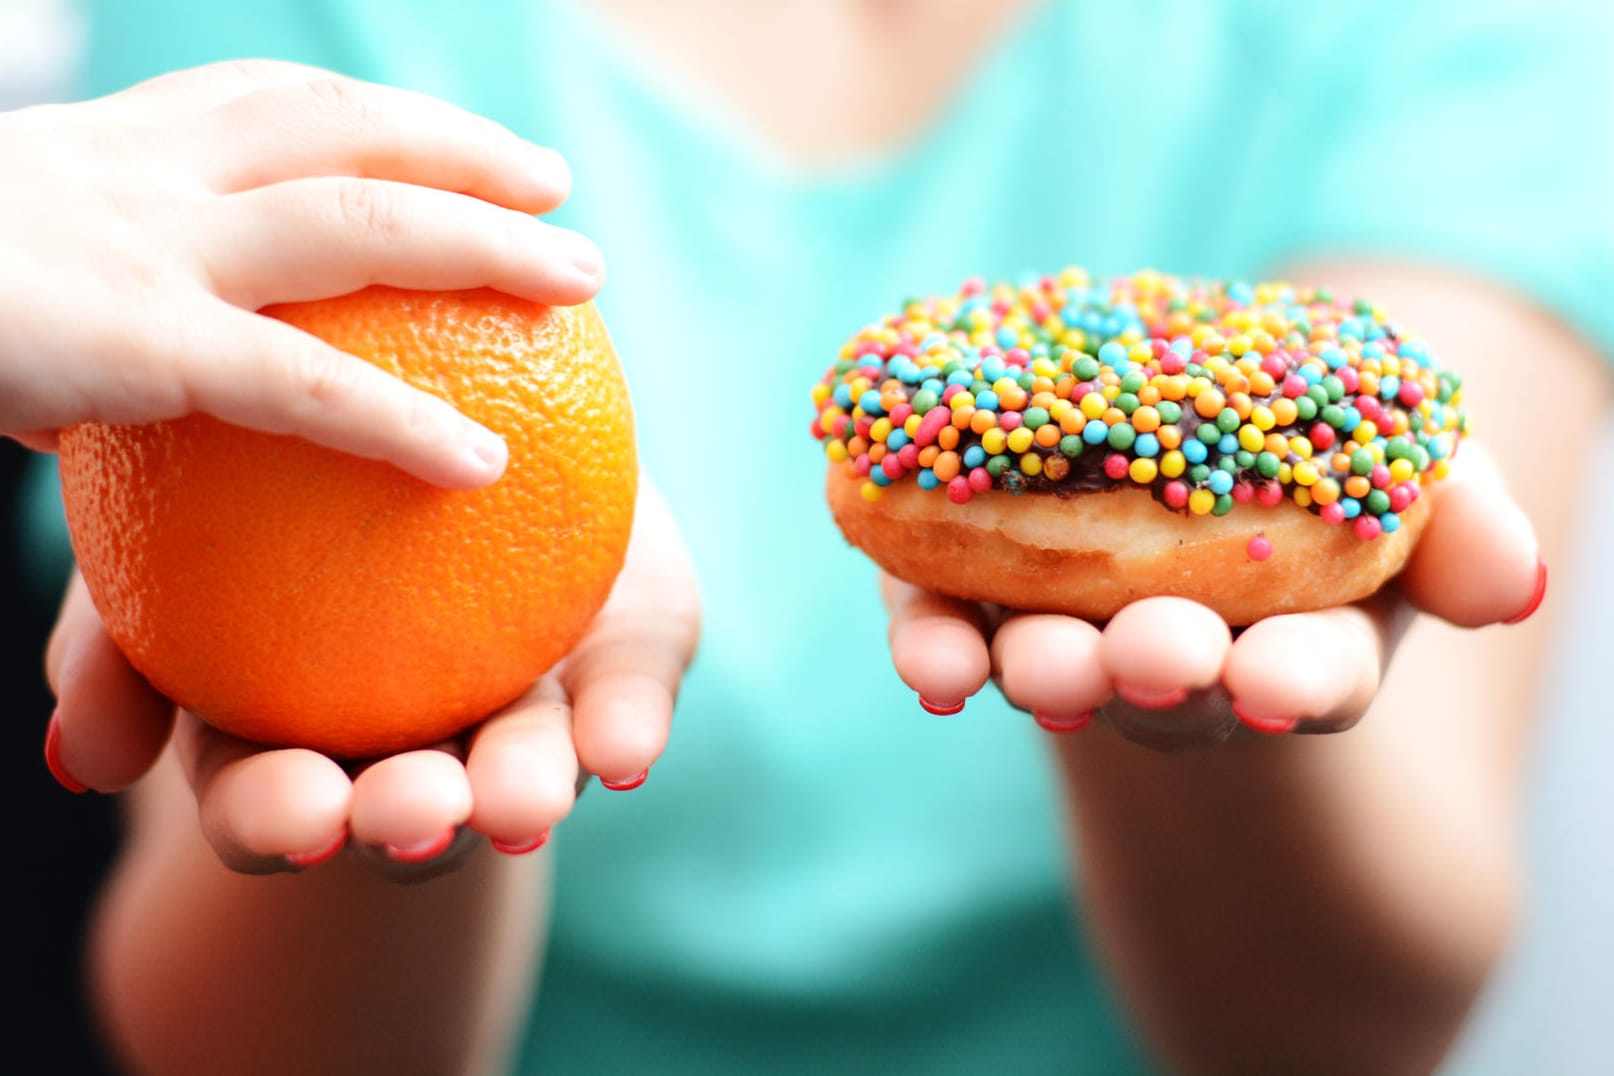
296,596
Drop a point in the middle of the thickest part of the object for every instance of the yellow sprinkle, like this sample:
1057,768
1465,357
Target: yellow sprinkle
1201,501
1030,463
1261,418
1143,471
963,399
1301,447
1250,438
1303,496
1402,469
1093,405
911,425
821,392
880,430
836,451
871,492
994,440
1173,463
1305,473
1364,432
1021,439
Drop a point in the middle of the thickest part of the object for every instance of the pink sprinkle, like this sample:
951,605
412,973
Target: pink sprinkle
1009,421
900,413
908,348
1259,548
1175,493
817,427
1333,513
862,465
1269,494
891,464
1273,365
980,479
1243,491
1079,390
909,455
1294,386
1172,363
863,426
1017,356
1347,377
1116,466
1158,348
1379,476
1367,527
1411,394
1412,490
1399,498
1322,435
930,427
958,490
973,286
949,392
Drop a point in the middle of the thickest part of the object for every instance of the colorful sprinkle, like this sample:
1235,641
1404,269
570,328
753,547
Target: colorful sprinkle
1209,394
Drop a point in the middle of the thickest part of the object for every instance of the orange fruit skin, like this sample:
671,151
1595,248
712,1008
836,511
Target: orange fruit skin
293,595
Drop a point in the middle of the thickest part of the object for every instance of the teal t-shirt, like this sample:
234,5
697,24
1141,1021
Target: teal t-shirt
819,876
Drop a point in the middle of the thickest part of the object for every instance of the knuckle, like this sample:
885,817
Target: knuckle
366,208
342,99
321,378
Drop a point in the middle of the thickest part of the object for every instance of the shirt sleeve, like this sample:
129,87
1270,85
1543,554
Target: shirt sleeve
1477,134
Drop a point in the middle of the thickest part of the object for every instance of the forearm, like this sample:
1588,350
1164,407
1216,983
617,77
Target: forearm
1293,904
200,970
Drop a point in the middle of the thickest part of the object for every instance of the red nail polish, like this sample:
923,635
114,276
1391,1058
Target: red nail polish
626,786
421,851
1152,700
1536,596
53,756
319,855
1062,724
1272,725
940,709
520,848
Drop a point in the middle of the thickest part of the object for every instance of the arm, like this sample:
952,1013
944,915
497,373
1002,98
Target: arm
1301,903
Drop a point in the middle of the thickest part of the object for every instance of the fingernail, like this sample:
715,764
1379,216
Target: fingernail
421,851
625,786
1152,700
53,756
1062,724
942,709
489,448
520,848
319,855
583,254
1272,725
1536,596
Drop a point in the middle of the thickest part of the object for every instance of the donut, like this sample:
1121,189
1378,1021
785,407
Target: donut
1072,445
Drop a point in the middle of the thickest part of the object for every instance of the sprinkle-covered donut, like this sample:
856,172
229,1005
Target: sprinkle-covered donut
1227,410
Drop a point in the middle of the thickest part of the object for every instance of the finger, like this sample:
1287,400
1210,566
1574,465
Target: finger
1050,666
195,89
1164,657
938,645
38,440
1160,649
411,805
623,678
314,238
1312,672
334,126
110,725
1475,532
523,770
263,810
261,373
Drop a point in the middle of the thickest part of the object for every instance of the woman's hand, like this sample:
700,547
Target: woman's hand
604,711
1170,674
144,229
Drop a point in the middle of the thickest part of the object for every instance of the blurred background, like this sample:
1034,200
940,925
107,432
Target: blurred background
1546,1012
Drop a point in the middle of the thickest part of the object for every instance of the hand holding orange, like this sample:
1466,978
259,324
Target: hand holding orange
295,596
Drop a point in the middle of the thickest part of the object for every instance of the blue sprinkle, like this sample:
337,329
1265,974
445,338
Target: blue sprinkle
1007,337
974,456
1193,451
870,402
961,377
1228,445
895,440
843,396
1334,357
1352,506
1390,522
928,479
934,384
878,476
1095,432
1389,385
1147,445
986,400
1310,375
1353,419
1240,292
1112,353
1220,482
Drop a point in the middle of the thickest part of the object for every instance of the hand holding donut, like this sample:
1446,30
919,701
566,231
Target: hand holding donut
1170,673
